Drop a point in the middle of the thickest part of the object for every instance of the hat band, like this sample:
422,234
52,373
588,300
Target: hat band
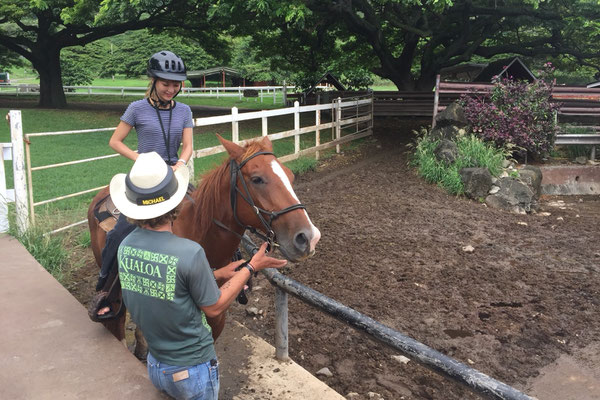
154,195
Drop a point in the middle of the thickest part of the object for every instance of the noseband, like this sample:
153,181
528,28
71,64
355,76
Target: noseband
236,171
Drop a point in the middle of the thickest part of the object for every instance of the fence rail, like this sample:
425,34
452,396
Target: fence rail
448,367
351,119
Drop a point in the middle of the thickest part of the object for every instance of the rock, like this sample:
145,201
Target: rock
513,195
468,249
477,182
494,189
252,311
401,359
452,115
532,177
353,396
581,160
449,132
374,396
325,372
446,151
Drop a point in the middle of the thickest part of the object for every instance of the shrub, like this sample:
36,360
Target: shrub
472,152
516,113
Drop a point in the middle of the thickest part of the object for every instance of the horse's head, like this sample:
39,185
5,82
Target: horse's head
263,198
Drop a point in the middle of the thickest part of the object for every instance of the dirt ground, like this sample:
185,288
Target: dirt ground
392,248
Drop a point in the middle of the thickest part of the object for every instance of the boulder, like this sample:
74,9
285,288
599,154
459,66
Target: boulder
452,115
446,151
476,181
532,177
514,195
449,132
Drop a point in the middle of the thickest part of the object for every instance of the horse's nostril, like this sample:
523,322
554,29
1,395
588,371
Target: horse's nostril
301,241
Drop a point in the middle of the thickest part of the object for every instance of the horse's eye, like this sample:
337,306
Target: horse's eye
257,180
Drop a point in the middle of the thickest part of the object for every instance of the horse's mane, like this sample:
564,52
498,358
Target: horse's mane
209,198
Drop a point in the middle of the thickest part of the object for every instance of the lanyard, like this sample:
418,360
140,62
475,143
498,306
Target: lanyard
166,135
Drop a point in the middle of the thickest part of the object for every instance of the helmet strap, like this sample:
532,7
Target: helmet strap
161,102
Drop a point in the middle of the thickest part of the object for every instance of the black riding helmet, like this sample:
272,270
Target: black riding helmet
167,65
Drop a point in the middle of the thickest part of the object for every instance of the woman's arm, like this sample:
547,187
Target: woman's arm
186,148
117,138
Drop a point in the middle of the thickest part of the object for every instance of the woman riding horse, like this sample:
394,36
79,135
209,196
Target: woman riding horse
161,125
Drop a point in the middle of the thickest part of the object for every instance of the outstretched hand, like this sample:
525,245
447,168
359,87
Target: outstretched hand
262,260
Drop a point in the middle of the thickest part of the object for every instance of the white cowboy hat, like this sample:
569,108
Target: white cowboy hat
150,189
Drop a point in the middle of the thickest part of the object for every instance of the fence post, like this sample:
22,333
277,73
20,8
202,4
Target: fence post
338,123
317,130
297,127
190,163
235,128
3,193
21,206
281,325
265,126
284,93
436,100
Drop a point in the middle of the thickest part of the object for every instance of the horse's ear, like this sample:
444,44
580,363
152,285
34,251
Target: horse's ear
266,143
234,150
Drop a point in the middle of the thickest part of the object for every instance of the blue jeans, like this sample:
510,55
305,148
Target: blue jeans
197,382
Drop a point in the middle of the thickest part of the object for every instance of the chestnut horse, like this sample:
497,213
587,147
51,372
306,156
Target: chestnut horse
251,190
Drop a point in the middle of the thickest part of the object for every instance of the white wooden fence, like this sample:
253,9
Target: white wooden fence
347,114
14,151
276,93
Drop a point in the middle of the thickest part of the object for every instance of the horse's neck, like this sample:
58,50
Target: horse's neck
218,243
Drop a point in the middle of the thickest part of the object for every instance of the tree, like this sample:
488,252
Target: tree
39,30
132,49
410,41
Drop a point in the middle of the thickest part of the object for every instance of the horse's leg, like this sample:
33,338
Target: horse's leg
141,346
217,324
117,326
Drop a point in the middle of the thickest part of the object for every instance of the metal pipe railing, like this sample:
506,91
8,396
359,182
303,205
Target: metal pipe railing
480,383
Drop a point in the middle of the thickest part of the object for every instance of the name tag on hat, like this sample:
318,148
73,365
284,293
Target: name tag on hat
181,375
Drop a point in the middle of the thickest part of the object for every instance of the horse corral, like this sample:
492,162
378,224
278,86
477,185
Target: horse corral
395,249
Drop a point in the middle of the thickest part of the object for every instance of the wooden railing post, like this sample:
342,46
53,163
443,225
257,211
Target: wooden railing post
4,199
281,325
297,127
436,100
18,156
235,127
338,123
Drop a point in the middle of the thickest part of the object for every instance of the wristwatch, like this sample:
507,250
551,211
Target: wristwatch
183,161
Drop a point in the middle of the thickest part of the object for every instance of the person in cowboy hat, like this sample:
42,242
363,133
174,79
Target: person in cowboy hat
162,125
168,285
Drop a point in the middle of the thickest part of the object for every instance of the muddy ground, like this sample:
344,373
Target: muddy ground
392,248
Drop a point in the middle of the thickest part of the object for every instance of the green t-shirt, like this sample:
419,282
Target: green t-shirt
165,281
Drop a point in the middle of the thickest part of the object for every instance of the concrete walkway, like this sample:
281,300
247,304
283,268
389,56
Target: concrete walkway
49,348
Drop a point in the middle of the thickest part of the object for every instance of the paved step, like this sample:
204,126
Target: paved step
49,348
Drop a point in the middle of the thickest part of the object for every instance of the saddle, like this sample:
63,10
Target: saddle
106,213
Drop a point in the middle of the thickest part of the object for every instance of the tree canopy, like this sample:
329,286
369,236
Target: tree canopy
39,29
410,41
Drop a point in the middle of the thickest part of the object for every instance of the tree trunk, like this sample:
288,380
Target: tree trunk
47,65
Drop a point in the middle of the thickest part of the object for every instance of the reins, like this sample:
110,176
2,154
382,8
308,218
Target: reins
269,235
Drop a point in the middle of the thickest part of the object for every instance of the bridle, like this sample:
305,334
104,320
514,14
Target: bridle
236,171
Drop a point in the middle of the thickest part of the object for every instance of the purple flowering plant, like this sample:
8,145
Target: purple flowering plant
515,114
